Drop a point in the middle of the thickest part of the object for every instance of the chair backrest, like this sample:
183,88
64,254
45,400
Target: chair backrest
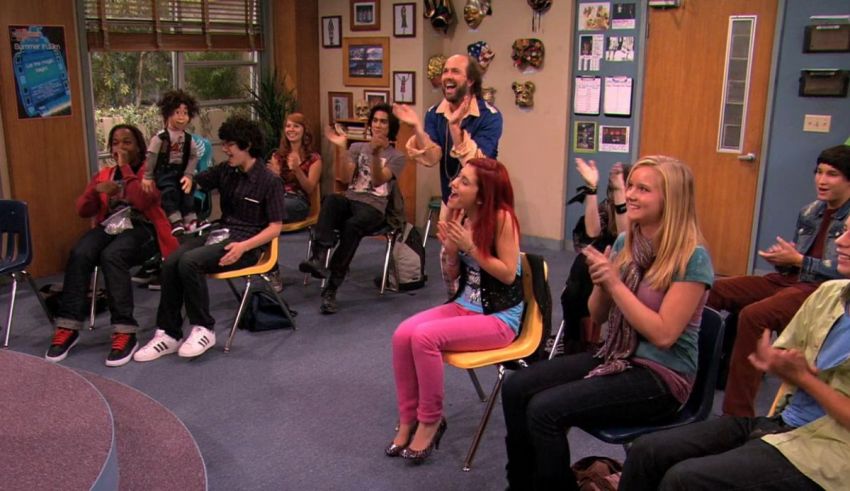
710,343
15,240
531,330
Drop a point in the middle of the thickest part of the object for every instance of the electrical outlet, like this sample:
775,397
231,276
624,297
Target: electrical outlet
817,123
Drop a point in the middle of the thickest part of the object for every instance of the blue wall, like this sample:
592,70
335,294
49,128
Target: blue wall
791,153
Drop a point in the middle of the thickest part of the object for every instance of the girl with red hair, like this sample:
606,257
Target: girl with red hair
299,165
481,264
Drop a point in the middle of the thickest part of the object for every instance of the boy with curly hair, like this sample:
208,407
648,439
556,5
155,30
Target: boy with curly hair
172,158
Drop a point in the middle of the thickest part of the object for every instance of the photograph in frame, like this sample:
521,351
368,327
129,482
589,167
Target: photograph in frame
404,20
373,97
366,61
332,31
404,87
365,15
584,137
340,106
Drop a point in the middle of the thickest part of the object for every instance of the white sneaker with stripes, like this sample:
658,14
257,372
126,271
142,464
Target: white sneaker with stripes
198,342
161,344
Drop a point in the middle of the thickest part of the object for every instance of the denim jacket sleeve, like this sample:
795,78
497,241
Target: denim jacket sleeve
818,270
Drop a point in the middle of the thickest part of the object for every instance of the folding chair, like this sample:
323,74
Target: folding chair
530,335
16,255
266,262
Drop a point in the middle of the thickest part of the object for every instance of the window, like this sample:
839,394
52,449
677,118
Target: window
141,48
739,54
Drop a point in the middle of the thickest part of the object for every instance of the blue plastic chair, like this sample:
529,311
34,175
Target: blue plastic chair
699,404
16,254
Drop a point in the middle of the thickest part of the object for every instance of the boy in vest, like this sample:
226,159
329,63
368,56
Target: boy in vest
172,158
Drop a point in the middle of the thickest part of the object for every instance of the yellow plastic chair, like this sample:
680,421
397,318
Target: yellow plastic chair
784,390
267,261
312,218
530,335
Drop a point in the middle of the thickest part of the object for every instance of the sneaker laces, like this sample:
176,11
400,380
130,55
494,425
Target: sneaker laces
61,336
120,340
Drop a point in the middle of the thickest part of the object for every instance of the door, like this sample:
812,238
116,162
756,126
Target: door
687,93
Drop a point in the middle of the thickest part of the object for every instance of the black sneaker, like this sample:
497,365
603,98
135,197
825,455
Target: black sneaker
144,276
177,229
63,341
123,346
154,284
329,305
314,267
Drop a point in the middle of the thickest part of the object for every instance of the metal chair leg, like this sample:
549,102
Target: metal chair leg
390,244
481,395
242,304
93,306
427,227
309,252
38,296
327,265
557,340
476,440
11,310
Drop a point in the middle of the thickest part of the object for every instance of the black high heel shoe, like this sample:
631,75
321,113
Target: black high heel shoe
417,457
394,450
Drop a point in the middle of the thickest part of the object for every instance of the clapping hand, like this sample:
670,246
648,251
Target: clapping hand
336,137
782,253
790,365
588,171
617,178
293,161
274,164
444,234
602,272
406,114
456,116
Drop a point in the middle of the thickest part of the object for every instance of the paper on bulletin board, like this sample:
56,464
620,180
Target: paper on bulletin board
584,137
590,51
39,62
618,96
614,139
588,91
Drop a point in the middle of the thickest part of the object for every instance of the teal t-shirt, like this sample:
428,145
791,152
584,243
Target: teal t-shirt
470,298
682,357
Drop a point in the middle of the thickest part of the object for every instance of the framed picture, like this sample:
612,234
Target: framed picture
340,106
584,137
373,97
404,20
332,31
404,87
366,61
365,15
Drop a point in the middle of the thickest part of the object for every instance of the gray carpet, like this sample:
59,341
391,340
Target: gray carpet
314,408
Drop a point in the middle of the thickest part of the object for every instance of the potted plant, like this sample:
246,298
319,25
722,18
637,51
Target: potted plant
272,102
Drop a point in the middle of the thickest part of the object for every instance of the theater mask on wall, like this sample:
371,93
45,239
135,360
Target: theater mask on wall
481,52
440,13
524,92
528,52
435,69
474,12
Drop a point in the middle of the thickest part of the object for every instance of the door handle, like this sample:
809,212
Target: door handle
747,157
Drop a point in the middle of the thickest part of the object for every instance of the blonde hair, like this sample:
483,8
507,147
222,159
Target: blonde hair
679,233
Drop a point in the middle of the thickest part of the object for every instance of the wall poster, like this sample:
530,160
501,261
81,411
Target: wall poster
39,60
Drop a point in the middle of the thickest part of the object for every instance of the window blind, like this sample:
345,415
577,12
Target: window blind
173,25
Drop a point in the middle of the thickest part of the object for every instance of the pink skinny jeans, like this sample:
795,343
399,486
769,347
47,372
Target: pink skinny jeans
418,343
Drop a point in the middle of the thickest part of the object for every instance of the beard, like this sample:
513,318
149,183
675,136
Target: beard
460,92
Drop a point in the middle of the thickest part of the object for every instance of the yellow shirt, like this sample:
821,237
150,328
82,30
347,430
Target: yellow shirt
820,449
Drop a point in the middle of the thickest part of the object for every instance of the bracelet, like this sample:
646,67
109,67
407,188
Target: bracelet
620,209
588,190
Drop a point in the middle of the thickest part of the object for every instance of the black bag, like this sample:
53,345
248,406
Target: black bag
52,292
407,263
264,314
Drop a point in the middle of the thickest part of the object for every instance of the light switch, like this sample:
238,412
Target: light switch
817,123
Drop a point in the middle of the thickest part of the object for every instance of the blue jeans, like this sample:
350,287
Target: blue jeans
184,281
721,453
295,208
115,255
545,400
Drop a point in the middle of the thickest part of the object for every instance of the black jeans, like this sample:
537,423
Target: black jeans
354,220
115,254
574,298
172,198
543,401
721,453
184,280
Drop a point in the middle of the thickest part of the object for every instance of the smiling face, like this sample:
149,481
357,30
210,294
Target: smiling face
645,196
831,186
294,131
380,124
179,119
124,141
464,195
455,83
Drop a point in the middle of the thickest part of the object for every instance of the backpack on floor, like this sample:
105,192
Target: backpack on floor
264,314
597,474
407,263
53,291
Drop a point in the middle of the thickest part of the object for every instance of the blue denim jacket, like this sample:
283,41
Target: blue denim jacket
816,270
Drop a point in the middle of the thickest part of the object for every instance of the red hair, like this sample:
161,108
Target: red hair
495,194
306,138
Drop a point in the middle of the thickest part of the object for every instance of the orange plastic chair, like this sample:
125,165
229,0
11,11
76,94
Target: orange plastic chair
784,390
267,261
530,335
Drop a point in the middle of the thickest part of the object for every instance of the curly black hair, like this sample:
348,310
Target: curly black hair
245,133
394,124
171,100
